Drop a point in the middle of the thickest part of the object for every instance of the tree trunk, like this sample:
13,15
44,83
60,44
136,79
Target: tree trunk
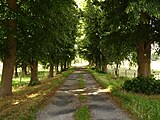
143,59
68,64
8,68
15,70
51,71
61,66
65,65
57,69
8,63
116,71
24,69
104,68
34,73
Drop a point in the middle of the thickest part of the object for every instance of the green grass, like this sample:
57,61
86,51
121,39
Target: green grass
81,98
81,82
108,80
66,74
141,107
82,113
24,80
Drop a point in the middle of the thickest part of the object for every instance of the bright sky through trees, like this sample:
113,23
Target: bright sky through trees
80,3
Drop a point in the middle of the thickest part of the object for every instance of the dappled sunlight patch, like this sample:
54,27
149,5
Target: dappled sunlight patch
16,102
104,90
78,90
32,95
99,91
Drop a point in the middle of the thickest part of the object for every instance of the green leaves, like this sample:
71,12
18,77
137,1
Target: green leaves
142,85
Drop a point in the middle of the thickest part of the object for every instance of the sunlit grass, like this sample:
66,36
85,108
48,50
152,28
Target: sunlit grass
24,80
140,106
27,100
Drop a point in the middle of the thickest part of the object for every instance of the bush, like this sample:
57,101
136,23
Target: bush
145,85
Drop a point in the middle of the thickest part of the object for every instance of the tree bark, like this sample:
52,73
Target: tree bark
61,66
57,69
51,71
34,73
24,69
143,59
68,64
104,68
8,63
8,68
116,71
65,65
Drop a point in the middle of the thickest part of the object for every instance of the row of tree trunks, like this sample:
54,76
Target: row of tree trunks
63,66
143,59
8,63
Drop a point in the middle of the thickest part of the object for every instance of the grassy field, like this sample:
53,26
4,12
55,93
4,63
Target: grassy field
139,106
24,80
27,100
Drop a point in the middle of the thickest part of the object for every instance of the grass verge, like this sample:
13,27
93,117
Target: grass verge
24,80
141,107
81,82
27,100
82,113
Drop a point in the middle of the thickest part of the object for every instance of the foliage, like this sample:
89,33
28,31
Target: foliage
45,31
146,85
114,30
103,43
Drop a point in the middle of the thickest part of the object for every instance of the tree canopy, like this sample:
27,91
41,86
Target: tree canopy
43,31
114,29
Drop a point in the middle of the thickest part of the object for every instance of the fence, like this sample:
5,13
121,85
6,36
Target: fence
130,73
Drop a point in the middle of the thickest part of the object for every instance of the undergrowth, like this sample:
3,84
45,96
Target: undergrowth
145,85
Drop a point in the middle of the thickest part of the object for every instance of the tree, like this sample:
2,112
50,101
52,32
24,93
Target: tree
32,27
101,44
133,24
10,43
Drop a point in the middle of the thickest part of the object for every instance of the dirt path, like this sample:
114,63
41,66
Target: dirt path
65,102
